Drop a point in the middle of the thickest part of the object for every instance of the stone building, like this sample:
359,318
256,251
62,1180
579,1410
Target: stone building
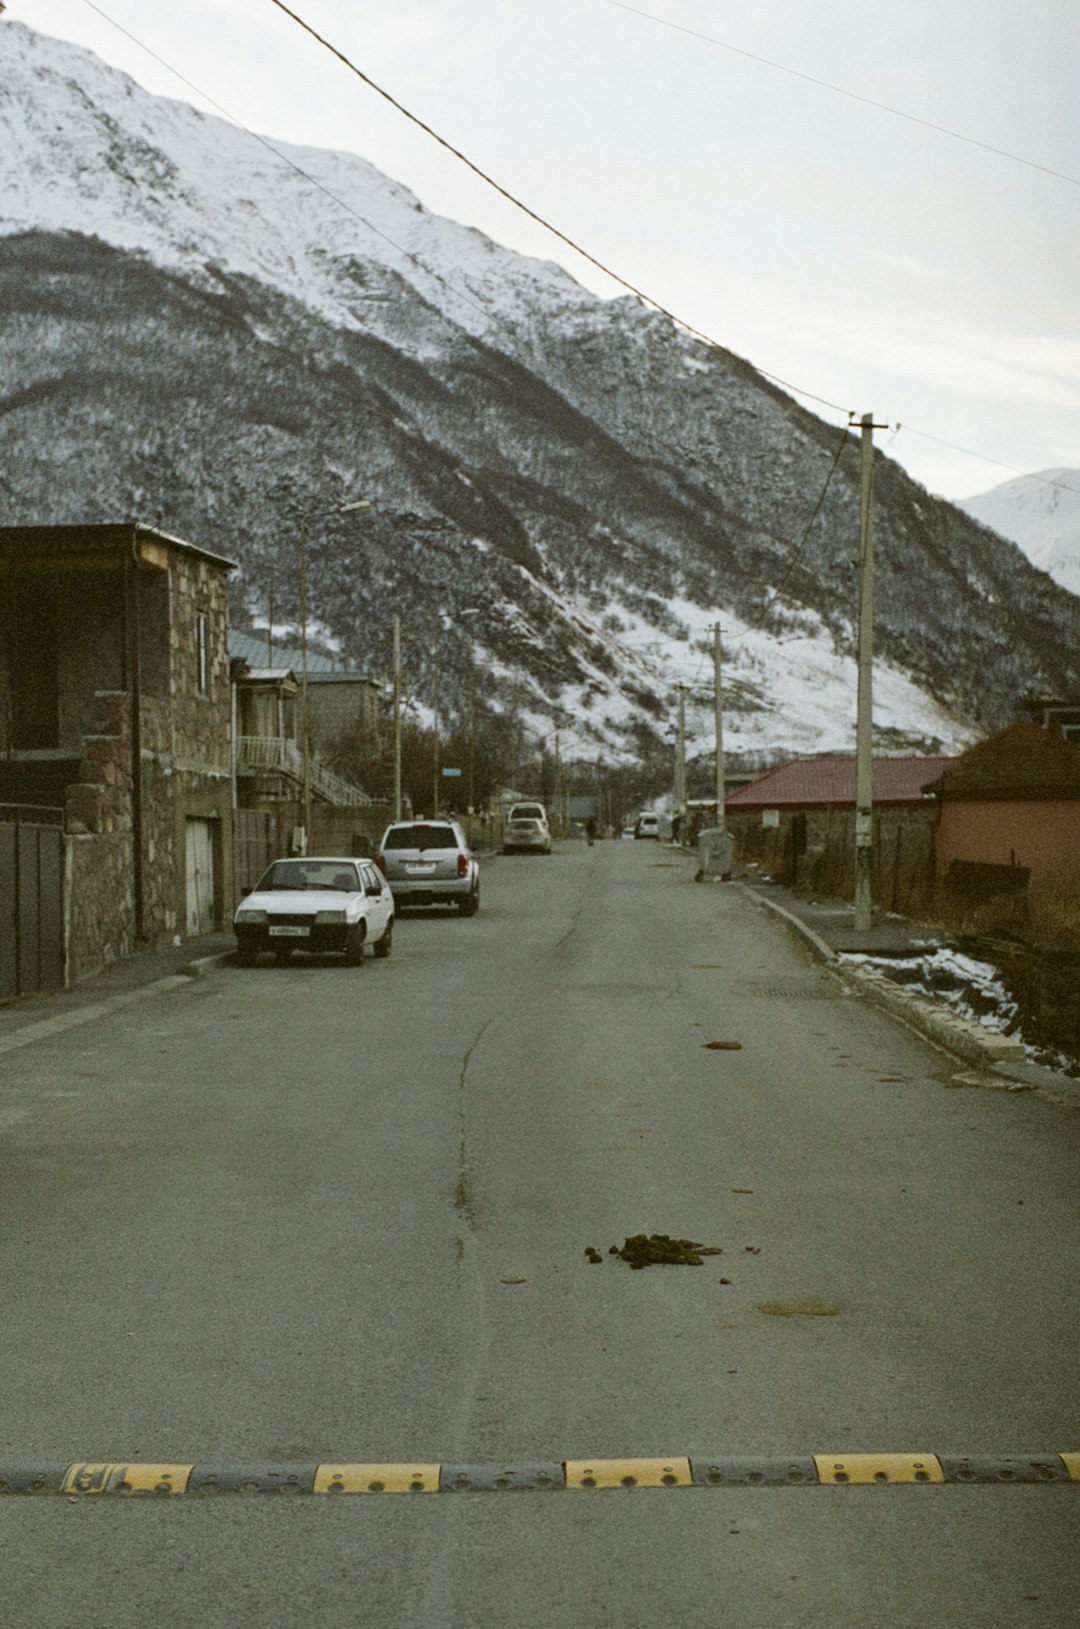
115,720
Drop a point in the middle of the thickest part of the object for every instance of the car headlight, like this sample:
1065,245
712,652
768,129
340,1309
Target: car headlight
324,919
250,916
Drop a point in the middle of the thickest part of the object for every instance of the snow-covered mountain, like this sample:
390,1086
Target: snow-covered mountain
1042,514
226,339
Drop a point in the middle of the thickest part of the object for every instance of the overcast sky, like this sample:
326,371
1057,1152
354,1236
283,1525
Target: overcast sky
856,254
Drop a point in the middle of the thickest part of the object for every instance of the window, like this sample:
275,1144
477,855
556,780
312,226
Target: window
202,658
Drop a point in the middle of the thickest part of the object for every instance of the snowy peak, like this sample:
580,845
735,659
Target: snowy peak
109,160
1041,513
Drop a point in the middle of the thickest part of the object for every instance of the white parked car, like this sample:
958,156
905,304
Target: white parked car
318,904
527,828
647,825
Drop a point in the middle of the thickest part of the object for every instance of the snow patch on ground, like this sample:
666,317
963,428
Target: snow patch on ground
970,988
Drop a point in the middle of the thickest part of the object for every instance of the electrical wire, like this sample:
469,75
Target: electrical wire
841,90
487,314
608,271
285,159
1044,480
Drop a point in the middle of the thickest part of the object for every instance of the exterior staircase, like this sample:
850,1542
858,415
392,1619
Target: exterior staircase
273,754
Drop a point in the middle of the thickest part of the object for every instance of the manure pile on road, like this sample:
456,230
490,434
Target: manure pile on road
657,1250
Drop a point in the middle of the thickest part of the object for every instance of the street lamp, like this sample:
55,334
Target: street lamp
358,506
469,611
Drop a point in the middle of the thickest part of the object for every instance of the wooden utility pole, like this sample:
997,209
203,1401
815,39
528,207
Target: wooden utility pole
864,717
438,749
718,687
397,718
305,711
680,756
558,787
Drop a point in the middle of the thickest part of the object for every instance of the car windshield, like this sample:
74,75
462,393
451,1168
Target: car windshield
300,874
421,837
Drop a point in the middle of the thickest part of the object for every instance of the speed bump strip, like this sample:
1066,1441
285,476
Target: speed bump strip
150,1479
628,1473
93,1478
879,1468
394,1478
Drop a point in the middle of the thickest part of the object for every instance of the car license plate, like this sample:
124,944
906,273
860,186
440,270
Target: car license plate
289,933
421,870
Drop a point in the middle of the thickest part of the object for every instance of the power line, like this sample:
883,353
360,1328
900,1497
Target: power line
285,159
841,90
489,314
532,214
1062,486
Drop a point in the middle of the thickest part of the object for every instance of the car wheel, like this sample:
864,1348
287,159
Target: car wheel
507,849
246,958
282,954
382,944
470,906
354,945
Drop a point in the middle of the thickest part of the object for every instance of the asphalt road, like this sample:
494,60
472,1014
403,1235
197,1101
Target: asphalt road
321,1213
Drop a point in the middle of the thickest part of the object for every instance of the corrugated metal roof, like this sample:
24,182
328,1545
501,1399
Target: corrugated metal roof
806,781
321,669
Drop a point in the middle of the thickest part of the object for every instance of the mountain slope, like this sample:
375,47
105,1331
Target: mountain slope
1041,513
193,329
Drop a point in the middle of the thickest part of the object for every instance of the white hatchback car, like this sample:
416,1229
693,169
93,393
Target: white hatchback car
319,904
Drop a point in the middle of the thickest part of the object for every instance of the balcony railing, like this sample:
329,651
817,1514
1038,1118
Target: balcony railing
274,754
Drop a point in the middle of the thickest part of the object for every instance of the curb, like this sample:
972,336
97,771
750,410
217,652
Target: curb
675,1471
961,1038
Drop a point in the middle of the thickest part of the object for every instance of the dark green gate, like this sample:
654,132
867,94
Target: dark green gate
31,901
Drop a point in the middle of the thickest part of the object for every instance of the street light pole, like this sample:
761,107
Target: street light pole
305,713
397,717
358,506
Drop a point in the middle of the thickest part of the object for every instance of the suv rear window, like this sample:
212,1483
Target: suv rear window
526,811
421,837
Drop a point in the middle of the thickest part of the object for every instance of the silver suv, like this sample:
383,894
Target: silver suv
427,862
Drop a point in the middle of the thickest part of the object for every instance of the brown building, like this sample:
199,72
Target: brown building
798,822
115,734
1013,801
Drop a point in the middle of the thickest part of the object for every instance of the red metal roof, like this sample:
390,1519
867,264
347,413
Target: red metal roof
806,781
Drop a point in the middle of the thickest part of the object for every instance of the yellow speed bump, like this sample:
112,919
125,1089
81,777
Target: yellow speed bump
628,1473
1072,1465
878,1468
391,1478
95,1478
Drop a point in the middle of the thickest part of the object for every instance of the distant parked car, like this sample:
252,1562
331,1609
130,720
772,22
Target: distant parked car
647,825
629,832
317,904
527,828
428,862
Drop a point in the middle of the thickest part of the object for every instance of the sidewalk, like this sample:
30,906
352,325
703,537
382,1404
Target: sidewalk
832,921
117,985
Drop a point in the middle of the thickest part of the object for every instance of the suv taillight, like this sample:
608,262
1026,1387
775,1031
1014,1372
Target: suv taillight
463,865
381,863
